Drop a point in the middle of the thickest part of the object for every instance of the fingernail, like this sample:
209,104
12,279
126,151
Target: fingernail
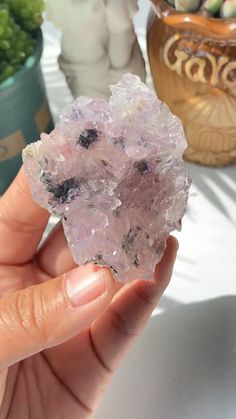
84,285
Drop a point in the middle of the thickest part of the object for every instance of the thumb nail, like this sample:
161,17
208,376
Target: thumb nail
86,284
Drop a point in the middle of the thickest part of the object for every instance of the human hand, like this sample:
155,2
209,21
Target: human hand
61,339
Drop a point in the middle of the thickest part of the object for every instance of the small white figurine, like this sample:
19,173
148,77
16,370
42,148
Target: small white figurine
98,43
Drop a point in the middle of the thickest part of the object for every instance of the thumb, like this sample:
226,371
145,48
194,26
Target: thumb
48,314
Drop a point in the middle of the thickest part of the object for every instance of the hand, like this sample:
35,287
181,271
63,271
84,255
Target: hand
61,339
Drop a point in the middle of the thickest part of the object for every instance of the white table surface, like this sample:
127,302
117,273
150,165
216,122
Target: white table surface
184,365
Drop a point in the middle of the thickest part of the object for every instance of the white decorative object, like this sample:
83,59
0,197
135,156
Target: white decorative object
98,43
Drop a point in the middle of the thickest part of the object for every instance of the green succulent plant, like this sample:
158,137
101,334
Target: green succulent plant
224,9
20,21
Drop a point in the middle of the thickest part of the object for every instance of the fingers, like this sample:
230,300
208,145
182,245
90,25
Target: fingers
164,269
22,223
114,332
48,314
55,257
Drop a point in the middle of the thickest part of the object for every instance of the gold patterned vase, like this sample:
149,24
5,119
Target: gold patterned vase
193,65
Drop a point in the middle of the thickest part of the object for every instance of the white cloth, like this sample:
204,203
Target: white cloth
98,43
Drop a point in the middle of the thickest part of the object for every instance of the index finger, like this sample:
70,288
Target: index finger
22,223
115,330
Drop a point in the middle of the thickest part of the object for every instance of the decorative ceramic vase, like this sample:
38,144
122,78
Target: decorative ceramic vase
193,64
24,114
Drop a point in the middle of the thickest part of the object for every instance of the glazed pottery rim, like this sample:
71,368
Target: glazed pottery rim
30,63
186,15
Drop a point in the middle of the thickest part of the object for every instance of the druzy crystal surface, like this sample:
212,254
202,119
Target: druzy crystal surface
114,172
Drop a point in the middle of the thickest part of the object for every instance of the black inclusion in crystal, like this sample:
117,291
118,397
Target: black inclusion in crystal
129,239
136,262
119,142
141,166
104,163
88,137
98,260
45,178
60,192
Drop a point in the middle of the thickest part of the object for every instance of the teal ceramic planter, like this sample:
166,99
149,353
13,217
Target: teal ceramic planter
24,114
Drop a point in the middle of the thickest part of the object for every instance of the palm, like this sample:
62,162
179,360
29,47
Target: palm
70,374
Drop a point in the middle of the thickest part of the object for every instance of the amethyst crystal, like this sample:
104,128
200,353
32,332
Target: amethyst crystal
114,172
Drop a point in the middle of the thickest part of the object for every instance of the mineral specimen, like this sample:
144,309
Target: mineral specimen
114,172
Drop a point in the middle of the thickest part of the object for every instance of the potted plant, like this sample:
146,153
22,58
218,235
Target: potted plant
192,55
24,110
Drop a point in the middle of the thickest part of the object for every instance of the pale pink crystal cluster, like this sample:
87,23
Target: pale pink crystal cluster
114,172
